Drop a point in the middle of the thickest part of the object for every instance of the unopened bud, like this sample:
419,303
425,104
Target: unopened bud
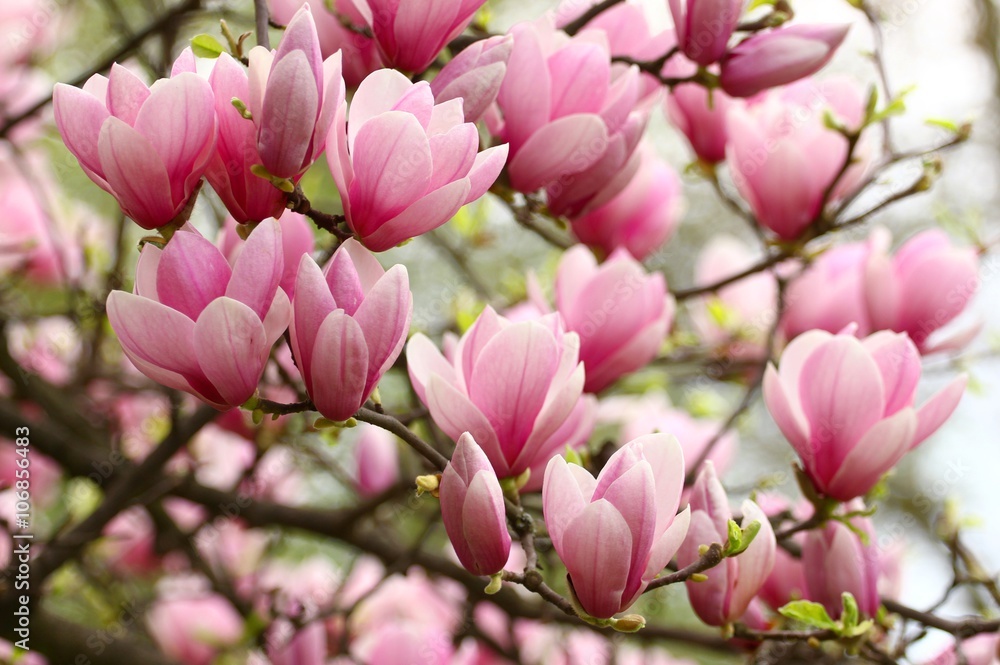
428,483
630,623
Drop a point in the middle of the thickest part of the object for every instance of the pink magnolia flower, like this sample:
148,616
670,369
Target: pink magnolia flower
847,406
294,96
516,387
726,594
922,288
474,75
360,53
705,26
297,239
146,146
397,644
620,312
247,197
411,34
472,509
194,629
698,114
571,122
349,324
740,315
617,532
779,57
641,217
198,325
829,295
376,455
631,27
784,158
837,562
404,165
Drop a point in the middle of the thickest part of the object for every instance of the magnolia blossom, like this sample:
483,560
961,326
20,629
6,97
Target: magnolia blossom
472,509
411,34
641,217
247,197
349,324
925,285
784,158
516,387
726,594
782,56
403,165
632,27
836,561
297,239
620,313
294,96
617,532
571,122
146,146
705,26
847,406
197,324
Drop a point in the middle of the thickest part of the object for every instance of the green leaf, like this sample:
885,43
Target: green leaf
754,4
808,613
850,615
735,538
206,46
943,123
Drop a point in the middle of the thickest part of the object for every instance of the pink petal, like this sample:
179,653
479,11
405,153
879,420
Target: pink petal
511,379
580,73
339,368
485,170
232,348
878,451
392,169
933,413
592,551
136,174
790,419
377,94
485,526
755,563
423,215
126,94
665,457
178,118
566,492
558,150
288,117
669,543
79,116
259,268
526,90
422,360
842,396
455,414
899,363
313,303
191,274
146,328
453,154
384,317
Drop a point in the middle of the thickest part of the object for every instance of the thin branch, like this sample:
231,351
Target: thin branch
710,559
262,22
